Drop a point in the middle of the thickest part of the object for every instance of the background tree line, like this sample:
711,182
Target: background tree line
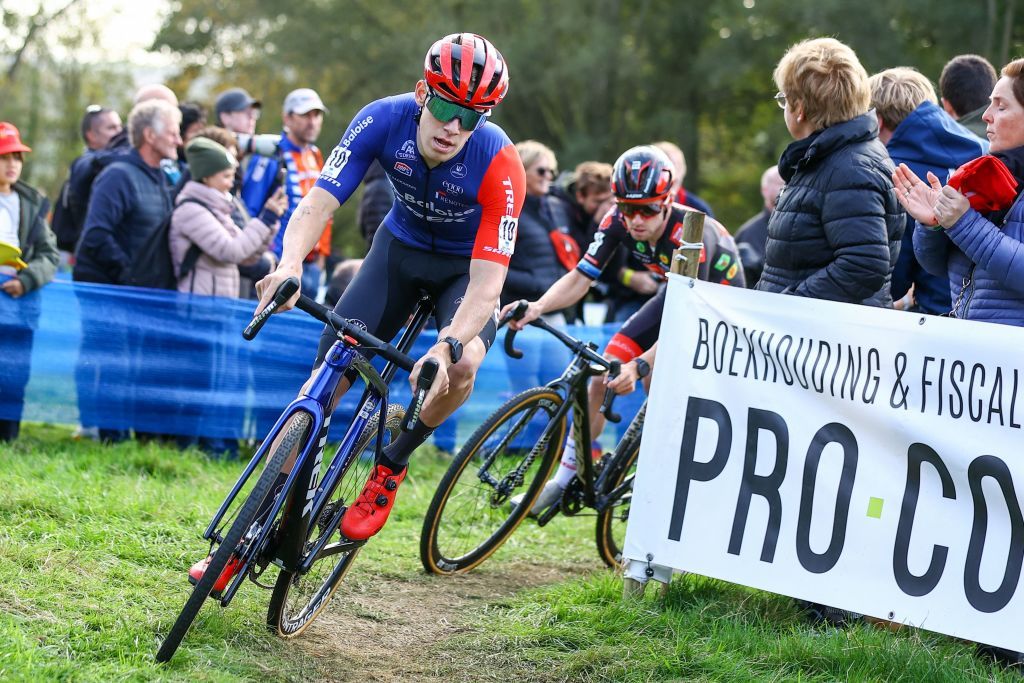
589,78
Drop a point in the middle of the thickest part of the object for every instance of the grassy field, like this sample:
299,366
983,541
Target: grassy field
95,542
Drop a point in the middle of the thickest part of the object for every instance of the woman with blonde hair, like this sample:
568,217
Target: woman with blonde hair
836,229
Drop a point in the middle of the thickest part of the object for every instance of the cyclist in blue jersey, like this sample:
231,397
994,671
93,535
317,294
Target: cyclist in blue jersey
459,187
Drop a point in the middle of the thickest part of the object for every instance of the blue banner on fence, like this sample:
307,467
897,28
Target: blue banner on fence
161,362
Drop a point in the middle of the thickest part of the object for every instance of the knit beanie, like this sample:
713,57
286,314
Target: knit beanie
205,158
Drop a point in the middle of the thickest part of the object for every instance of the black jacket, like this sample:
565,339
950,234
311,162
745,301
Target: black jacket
38,245
836,229
534,266
374,205
751,240
130,201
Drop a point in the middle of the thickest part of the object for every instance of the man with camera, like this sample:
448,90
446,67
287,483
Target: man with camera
296,166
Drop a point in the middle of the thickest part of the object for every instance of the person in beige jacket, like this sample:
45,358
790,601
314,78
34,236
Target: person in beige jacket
211,233
203,217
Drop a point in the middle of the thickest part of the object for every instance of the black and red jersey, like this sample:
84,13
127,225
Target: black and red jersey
719,260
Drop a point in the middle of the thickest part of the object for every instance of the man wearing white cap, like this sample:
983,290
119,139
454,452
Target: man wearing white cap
303,116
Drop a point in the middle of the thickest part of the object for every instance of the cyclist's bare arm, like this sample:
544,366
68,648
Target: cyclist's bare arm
303,232
569,289
628,375
486,279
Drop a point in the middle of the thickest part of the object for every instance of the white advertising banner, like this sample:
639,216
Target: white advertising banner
861,458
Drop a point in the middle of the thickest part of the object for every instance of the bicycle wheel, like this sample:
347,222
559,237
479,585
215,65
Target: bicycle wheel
611,522
295,433
469,517
299,598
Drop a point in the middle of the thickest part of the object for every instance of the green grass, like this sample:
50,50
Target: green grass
704,630
95,542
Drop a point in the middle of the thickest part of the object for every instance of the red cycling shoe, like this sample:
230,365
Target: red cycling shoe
230,569
367,515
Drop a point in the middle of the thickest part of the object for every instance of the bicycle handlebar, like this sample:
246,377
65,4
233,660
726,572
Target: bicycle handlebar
510,336
574,345
355,335
423,382
284,292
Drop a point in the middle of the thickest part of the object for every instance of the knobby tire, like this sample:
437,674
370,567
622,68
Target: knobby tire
290,621
296,433
611,522
434,557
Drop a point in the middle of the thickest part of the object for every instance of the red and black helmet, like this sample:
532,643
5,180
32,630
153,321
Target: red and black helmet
643,175
466,69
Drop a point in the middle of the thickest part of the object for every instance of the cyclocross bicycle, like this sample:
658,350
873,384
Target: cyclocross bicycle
295,526
515,451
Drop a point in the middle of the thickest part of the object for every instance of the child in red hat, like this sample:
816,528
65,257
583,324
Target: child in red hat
28,260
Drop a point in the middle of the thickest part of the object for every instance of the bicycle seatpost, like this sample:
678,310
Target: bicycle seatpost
427,374
614,367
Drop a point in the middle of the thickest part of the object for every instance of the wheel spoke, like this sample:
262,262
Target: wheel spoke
299,598
470,515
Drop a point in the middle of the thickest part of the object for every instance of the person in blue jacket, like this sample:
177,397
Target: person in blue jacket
981,254
916,132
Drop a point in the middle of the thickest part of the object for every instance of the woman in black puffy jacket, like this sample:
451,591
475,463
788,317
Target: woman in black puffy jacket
836,229
544,250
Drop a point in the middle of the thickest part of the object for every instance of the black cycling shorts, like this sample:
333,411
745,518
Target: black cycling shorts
640,331
391,281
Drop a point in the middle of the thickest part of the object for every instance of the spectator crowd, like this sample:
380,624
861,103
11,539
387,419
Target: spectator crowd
890,195
173,200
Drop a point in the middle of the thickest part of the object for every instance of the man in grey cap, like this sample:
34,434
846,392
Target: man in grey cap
303,116
237,111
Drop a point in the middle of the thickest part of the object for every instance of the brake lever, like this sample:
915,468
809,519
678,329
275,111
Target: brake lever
614,367
286,290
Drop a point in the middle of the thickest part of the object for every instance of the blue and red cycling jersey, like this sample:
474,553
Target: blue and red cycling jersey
467,206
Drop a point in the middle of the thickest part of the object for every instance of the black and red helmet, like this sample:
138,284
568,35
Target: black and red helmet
642,174
466,69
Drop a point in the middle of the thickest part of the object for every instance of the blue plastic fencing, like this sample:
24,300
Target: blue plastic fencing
169,363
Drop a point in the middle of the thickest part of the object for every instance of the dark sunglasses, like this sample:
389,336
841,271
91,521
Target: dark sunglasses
444,111
549,173
646,210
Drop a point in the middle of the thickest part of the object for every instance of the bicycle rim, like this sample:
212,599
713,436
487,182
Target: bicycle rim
611,522
470,515
298,599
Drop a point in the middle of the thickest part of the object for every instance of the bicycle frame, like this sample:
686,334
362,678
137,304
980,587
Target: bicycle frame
629,441
572,385
304,505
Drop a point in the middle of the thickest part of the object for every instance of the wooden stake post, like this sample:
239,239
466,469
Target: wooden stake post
685,262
